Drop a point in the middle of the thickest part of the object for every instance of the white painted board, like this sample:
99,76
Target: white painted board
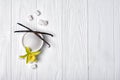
85,46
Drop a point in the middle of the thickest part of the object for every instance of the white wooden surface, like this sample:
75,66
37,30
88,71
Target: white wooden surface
86,45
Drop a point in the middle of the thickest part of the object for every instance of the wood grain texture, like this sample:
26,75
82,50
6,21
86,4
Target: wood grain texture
50,65
117,38
85,46
5,40
101,40
21,9
74,40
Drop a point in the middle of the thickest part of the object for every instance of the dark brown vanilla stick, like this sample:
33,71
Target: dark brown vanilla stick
34,33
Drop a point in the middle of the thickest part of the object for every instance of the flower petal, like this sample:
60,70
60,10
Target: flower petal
28,50
31,58
23,56
35,60
36,53
27,60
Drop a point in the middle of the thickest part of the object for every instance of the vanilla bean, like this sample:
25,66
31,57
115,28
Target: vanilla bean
42,39
34,33
24,26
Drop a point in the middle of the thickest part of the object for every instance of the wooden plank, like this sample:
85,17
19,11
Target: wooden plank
117,38
74,39
85,45
20,11
5,39
50,64
67,58
101,40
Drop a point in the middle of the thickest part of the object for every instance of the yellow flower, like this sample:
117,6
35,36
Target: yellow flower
30,56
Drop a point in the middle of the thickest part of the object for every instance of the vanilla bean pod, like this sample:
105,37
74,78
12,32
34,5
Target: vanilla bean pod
34,33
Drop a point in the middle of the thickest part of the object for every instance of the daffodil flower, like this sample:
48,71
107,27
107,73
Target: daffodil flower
30,56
